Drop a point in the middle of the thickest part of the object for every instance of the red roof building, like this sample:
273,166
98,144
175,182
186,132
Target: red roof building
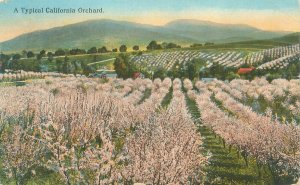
245,70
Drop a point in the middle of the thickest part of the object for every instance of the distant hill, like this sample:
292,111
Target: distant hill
90,33
289,39
293,38
113,33
202,30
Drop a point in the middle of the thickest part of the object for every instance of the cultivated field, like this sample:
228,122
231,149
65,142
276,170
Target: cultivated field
273,58
93,131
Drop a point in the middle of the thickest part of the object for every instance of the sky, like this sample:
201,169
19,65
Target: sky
274,15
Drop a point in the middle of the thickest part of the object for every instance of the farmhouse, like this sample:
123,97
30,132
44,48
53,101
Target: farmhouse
245,70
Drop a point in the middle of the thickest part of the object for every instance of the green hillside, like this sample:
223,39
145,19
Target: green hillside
290,38
114,33
219,33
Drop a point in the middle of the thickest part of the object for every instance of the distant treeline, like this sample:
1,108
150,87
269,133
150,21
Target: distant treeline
66,65
153,45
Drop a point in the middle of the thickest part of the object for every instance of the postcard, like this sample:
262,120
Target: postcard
150,92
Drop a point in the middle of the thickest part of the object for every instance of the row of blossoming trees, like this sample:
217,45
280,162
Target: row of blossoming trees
24,75
261,136
88,132
274,58
281,95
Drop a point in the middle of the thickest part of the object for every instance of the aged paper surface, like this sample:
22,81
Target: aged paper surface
149,92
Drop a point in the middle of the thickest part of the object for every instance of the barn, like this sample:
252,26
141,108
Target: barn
245,70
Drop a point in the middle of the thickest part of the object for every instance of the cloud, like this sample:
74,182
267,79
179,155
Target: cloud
3,1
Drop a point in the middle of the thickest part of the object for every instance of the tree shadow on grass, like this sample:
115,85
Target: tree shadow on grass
226,164
231,177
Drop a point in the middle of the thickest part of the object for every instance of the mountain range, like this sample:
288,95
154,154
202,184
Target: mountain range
112,33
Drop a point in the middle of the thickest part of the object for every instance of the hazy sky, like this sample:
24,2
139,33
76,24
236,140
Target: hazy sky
264,14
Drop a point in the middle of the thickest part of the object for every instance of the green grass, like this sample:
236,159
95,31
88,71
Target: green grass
88,58
93,57
167,99
16,83
108,65
7,84
226,164
146,95
43,176
254,45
